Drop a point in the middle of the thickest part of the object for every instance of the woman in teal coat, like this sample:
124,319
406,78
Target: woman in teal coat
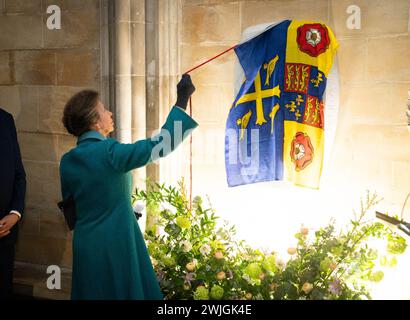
110,258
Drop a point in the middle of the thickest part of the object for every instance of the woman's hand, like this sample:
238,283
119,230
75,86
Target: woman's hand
185,89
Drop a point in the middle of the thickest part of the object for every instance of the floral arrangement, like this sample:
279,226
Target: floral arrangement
197,258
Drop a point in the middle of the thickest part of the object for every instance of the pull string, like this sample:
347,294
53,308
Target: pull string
190,158
217,56
190,113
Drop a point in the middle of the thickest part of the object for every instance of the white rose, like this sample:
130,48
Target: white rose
205,249
160,230
280,263
186,246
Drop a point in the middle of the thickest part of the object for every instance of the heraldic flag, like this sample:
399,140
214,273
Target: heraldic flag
274,129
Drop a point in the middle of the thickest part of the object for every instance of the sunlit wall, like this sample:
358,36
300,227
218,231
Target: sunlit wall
371,150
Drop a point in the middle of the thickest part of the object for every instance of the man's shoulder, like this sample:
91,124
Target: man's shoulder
5,115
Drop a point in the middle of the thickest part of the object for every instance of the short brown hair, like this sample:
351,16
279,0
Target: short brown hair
80,112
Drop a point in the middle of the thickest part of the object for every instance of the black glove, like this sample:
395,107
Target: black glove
138,215
185,88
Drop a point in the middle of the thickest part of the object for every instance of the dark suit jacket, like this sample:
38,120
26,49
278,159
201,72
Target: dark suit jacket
12,175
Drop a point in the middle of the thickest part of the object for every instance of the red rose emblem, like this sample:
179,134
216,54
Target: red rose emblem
313,39
301,151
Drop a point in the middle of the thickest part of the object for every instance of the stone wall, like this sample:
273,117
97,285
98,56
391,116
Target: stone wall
371,147
373,141
39,70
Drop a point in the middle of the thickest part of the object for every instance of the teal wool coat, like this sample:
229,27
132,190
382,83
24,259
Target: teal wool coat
110,258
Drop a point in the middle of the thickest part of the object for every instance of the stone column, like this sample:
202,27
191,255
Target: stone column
152,80
162,66
106,18
146,70
138,79
129,74
123,98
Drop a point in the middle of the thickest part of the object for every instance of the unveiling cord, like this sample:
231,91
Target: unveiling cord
190,113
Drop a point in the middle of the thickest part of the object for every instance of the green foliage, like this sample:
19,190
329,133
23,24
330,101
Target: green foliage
197,258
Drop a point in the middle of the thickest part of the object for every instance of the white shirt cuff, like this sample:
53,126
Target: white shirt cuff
16,213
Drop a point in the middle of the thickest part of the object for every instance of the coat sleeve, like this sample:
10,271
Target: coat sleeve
64,190
19,189
125,157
